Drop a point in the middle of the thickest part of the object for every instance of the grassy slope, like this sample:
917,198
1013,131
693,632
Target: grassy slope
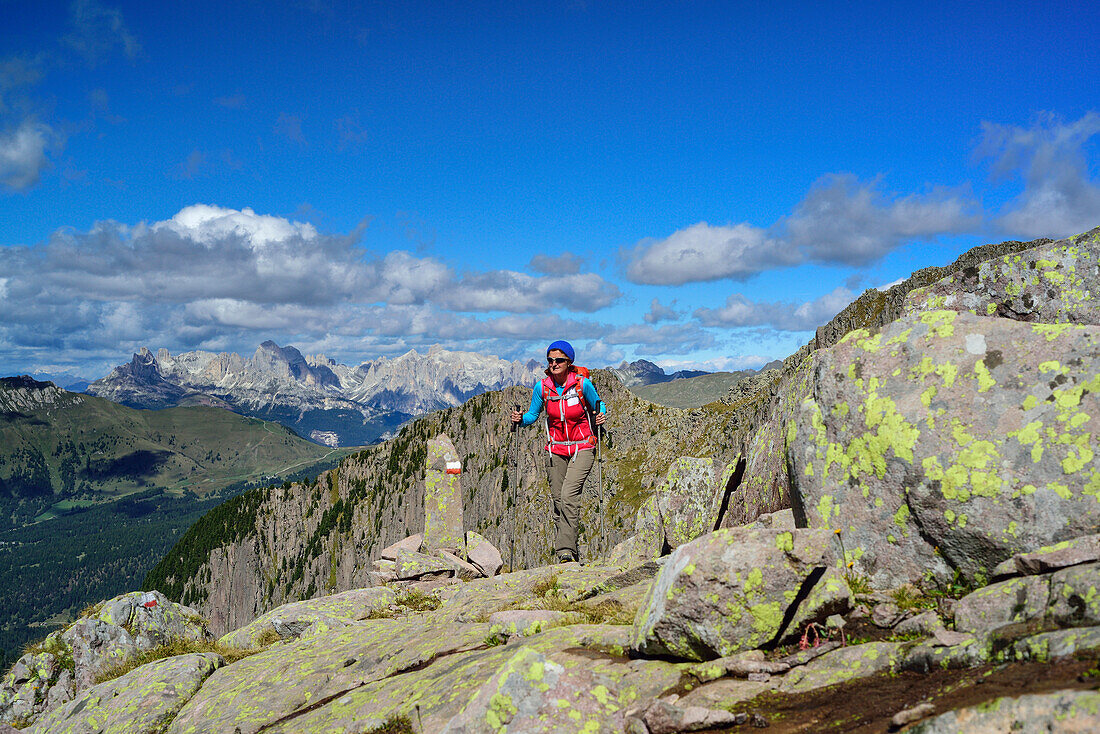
691,392
100,450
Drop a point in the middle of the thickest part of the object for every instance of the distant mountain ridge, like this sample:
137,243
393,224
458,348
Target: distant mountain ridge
314,395
644,372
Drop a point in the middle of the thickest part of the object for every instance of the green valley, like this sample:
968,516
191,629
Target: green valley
93,493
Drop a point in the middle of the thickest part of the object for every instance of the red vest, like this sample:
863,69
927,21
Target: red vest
567,428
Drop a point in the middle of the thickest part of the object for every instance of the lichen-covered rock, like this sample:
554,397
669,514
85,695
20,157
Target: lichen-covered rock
1068,712
527,622
998,605
1075,596
830,595
266,687
726,591
411,543
765,485
413,565
844,665
483,554
975,430
139,702
310,617
532,693
1049,647
690,497
1085,549
460,568
67,662
443,498
1064,598
1054,283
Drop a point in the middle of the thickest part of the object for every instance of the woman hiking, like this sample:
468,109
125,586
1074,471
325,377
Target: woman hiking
570,400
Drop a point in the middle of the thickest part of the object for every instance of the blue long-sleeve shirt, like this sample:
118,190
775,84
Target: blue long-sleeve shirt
591,398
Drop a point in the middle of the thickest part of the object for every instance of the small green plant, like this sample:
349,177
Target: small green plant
546,585
418,601
21,722
857,582
494,639
395,724
956,588
268,637
177,647
909,598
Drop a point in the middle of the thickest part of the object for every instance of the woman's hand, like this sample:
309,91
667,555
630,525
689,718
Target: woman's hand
516,416
600,418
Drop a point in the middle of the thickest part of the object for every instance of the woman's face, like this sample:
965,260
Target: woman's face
557,362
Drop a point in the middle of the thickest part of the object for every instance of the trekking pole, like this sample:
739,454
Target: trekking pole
515,510
599,470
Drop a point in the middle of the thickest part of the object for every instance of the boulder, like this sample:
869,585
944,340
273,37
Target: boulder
975,430
310,617
1053,283
460,568
1048,647
1061,711
1085,549
690,497
532,693
413,565
727,591
139,702
284,682
411,543
1011,602
443,498
67,662
483,554
663,717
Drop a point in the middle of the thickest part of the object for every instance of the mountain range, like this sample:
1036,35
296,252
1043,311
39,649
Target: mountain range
317,397
323,400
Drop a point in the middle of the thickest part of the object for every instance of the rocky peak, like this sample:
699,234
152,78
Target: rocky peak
24,393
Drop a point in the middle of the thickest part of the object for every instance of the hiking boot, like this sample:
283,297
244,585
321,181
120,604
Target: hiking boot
566,557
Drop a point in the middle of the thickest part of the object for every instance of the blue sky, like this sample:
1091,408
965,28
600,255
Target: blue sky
698,184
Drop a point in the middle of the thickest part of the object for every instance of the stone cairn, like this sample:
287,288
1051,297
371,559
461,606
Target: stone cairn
443,552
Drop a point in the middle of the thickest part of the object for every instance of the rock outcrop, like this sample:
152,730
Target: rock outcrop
68,662
966,438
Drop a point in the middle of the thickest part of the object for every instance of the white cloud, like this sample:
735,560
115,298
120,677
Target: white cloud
507,290
23,155
740,311
703,252
217,278
659,312
564,264
1059,196
841,220
667,339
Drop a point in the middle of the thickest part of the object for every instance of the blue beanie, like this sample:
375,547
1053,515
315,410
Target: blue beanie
562,346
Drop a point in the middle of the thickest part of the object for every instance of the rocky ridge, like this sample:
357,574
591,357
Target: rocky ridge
872,589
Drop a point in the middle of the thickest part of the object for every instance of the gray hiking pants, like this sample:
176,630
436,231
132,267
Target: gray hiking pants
567,475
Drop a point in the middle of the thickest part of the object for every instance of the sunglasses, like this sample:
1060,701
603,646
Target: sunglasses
557,360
